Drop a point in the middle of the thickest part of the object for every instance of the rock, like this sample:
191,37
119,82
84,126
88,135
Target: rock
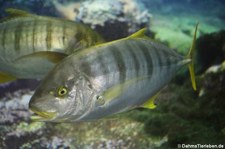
213,80
210,50
22,85
113,19
15,108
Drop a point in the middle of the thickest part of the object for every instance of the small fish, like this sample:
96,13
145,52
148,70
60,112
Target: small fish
108,79
30,45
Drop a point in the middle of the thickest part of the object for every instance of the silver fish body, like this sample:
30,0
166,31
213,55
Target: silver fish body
23,34
137,68
108,79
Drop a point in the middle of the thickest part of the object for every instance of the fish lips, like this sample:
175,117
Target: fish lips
41,115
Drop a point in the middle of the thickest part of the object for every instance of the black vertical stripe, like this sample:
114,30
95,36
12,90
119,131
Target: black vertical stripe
49,35
86,68
166,57
157,56
134,58
148,59
18,32
100,60
120,63
34,36
4,37
96,59
64,34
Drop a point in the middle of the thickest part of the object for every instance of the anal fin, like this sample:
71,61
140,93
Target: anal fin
150,104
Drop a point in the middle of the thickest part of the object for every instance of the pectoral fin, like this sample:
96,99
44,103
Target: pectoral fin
4,77
117,90
113,92
150,104
53,57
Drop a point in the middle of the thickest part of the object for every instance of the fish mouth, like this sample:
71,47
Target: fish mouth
42,115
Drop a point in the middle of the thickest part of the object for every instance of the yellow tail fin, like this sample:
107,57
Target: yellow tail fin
190,56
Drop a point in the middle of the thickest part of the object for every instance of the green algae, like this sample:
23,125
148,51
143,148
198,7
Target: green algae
186,118
177,31
30,127
122,131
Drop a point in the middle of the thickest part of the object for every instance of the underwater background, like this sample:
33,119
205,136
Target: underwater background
182,116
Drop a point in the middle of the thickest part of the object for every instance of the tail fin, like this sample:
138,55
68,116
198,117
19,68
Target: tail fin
190,56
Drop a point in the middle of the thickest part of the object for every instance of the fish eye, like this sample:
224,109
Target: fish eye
100,100
62,91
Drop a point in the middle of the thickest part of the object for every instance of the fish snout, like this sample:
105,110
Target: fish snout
40,108
42,115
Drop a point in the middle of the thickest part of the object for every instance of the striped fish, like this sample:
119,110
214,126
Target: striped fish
30,45
108,79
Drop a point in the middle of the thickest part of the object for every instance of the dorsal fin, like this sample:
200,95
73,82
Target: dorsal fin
139,34
16,12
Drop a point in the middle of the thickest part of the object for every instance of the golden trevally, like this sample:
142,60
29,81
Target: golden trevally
30,45
108,78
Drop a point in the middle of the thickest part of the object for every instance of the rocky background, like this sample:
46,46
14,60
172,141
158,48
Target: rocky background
182,115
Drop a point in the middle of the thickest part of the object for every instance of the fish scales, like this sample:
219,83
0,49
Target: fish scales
29,35
101,65
166,61
126,64
15,39
153,65
108,65
9,36
19,33
27,40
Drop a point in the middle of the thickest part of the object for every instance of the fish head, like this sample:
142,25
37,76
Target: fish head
64,95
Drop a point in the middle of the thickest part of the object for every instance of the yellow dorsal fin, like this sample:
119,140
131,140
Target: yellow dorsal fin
139,34
150,104
16,12
190,56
